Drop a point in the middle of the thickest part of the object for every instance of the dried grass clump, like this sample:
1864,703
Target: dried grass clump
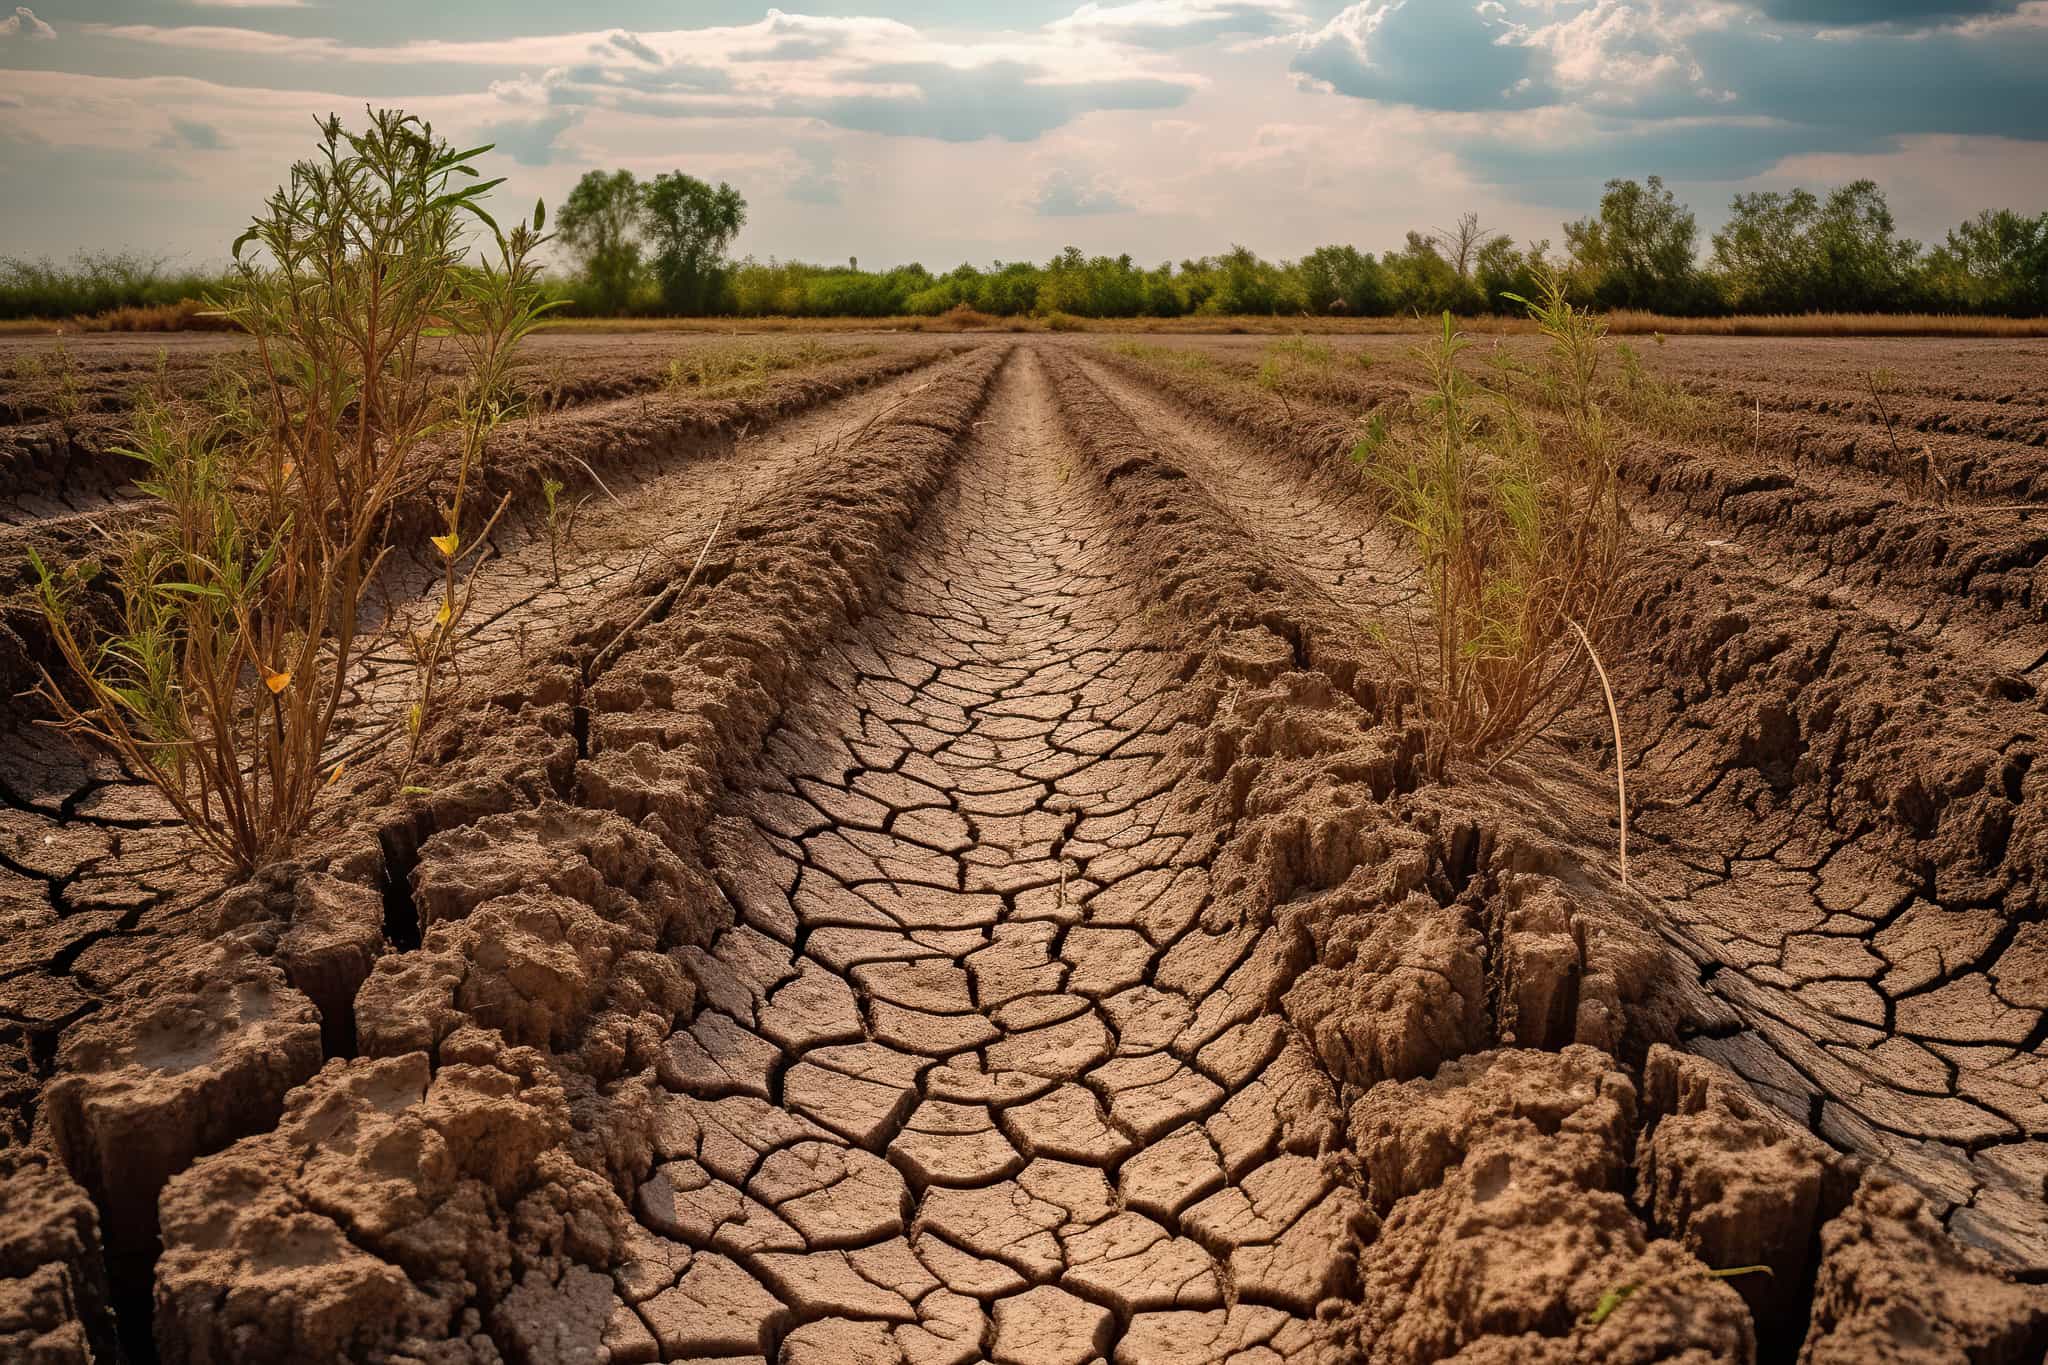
186,315
963,318
1520,531
727,369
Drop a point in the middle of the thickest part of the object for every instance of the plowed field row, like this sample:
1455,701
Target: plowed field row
1840,795
994,915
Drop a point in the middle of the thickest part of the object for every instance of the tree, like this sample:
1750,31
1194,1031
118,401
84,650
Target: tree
689,225
1247,285
1421,282
1162,297
1795,253
597,222
1764,254
1502,269
1862,262
1343,279
1996,262
1461,244
1639,251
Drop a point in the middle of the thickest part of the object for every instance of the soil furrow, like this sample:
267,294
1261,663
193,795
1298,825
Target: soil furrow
613,438
1318,524
119,894
974,899
1799,825
1954,561
496,963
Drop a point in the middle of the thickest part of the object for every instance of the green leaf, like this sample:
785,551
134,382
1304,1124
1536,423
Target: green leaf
540,214
1611,1300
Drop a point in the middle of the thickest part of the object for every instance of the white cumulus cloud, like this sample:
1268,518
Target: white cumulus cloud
24,24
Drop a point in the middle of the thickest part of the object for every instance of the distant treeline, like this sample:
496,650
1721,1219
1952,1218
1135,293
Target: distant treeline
1793,252
97,283
657,248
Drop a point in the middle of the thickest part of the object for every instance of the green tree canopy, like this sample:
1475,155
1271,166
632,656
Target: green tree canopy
1794,252
1638,252
1861,262
1764,252
690,224
1421,281
598,222
1995,262
1503,268
1343,279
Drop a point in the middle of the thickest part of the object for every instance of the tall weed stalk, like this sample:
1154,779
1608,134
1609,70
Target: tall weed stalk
495,307
1519,530
240,625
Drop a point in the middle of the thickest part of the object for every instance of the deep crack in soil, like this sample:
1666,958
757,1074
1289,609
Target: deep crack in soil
997,915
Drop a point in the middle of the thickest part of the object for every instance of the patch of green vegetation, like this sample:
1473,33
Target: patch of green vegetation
726,368
238,629
98,282
1174,357
1519,531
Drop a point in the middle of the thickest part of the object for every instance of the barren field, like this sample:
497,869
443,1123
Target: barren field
995,910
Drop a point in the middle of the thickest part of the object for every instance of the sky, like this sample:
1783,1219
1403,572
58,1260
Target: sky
899,130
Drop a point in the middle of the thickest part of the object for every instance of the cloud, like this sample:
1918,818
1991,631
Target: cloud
1849,13
864,74
626,42
789,50
1164,24
24,24
190,135
531,142
1428,53
1008,100
1067,194
1562,166
1712,90
593,78
1886,84
221,38
526,89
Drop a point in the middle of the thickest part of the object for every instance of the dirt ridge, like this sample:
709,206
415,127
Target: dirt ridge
608,434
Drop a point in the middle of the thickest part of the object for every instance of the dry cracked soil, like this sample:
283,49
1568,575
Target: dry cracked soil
993,909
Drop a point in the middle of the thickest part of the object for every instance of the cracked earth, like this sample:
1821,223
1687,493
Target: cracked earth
997,915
